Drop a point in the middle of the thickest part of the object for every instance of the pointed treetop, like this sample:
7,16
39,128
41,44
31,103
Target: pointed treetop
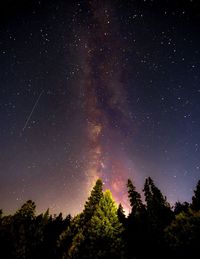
152,192
135,199
121,213
93,200
27,210
196,198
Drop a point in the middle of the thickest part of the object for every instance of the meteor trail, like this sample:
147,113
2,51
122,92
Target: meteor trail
34,106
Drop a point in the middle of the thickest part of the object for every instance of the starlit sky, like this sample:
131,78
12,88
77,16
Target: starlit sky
89,89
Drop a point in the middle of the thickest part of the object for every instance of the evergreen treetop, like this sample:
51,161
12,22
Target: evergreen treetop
196,198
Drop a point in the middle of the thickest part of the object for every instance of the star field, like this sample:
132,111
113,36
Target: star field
92,89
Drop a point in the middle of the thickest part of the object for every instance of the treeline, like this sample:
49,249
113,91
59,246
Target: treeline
102,231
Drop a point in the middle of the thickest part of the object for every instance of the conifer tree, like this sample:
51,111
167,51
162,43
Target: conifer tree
196,198
136,223
105,230
96,232
73,239
24,231
93,200
158,209
137,207
159,215
121,214
27,210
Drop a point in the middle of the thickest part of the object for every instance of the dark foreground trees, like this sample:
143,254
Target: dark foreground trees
183,235
102,231
27,236
136,225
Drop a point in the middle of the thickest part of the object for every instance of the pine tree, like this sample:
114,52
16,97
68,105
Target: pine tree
158,208
196,198
137,207
121,214
93,200
159,215
105,230
73,238
96,232
24,231
136,223
27,211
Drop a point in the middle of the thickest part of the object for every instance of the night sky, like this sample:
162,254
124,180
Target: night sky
90,89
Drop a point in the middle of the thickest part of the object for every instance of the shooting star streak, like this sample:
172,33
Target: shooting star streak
34,106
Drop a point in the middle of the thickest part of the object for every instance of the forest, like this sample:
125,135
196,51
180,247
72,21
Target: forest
153,228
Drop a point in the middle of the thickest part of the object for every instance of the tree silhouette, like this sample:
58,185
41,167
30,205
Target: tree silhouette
183,235
137,207
159,215
73,240
121,214
6,237
136,232
102,231
196,198
181,207
158,209
93,200
24,231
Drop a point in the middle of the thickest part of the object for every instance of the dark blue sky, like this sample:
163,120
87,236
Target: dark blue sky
93,89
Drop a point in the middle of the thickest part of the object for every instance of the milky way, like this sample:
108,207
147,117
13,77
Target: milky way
105,101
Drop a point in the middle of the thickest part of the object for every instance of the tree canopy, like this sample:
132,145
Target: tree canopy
103,231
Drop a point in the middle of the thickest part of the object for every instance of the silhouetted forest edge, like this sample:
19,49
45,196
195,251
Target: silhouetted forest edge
153,229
